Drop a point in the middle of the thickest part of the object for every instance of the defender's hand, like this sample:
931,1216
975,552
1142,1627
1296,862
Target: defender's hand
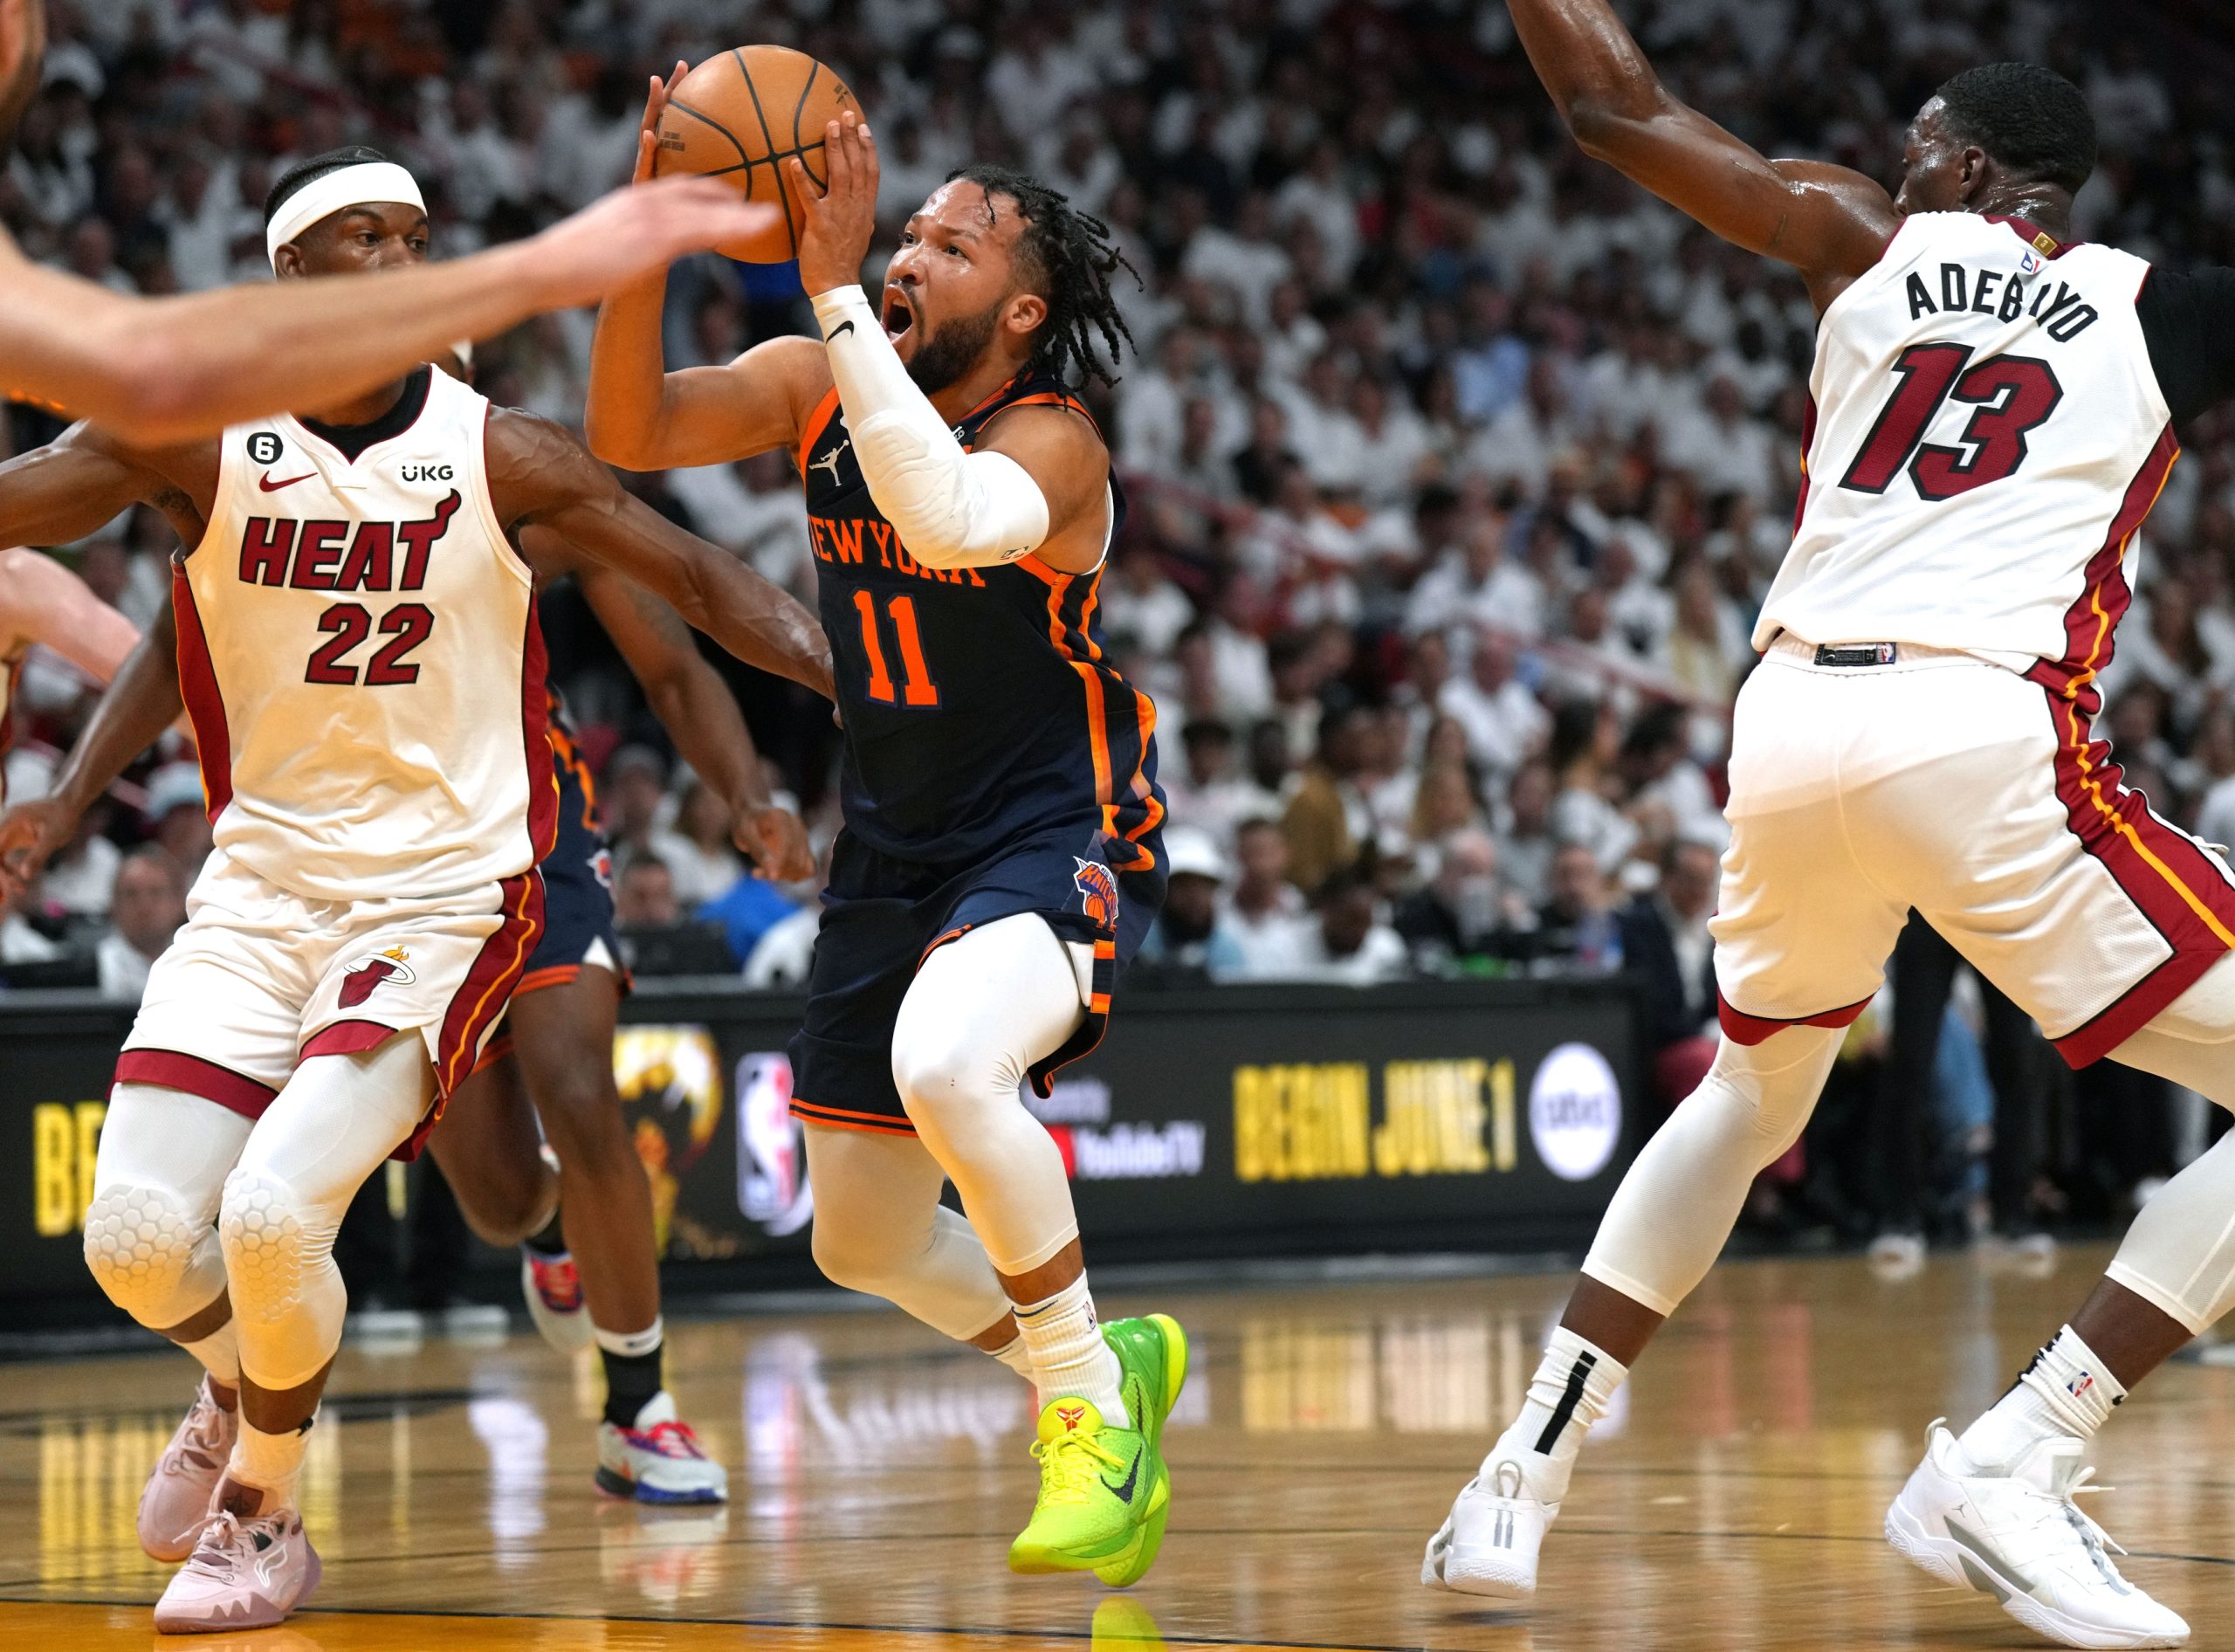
29,835
775,840
634,231
648,134
841,218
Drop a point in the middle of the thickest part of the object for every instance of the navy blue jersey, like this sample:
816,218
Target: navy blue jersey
978,706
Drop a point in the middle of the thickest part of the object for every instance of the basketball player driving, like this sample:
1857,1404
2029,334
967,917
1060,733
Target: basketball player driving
352,632
1992,415
1000,854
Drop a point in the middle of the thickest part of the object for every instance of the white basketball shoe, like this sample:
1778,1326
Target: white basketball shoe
551,1287
2020,1538
175,1501
243,1574
1489,1542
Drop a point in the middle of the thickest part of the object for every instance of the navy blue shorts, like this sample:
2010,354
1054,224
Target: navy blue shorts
882,918
577,900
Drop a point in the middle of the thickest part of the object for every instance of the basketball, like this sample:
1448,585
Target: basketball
739,117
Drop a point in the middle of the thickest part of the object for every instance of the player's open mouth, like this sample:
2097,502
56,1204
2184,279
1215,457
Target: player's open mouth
898,315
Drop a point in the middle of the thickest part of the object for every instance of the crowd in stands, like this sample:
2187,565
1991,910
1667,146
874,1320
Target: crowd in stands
1457,468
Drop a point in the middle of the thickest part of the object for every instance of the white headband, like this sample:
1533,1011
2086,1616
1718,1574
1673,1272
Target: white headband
322,197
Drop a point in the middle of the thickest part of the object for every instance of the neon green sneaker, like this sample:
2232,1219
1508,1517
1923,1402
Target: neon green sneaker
1105,1493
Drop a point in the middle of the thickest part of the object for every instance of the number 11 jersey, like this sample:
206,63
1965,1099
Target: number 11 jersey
359,652
1986,433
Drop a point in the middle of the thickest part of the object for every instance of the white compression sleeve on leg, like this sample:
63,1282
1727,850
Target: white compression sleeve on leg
952,509
150,1235
1674,1212
879,1228
2179,1255
982,1009
338,1117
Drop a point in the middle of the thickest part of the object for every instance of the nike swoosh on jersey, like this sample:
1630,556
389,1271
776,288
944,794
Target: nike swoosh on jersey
1125,1493
268,485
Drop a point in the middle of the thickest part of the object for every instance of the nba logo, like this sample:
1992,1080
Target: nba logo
771,1185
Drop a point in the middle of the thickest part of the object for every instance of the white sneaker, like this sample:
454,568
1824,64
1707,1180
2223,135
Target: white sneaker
2020,1538
553,1286
659,1460
1489,1542
175,1502
243,1574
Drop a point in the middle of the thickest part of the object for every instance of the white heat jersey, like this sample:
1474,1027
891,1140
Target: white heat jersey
1986,435
358,648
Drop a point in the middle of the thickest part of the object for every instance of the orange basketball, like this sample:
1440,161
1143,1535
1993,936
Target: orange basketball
738,117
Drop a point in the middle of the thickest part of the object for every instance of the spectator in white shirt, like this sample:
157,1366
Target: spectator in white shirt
1351,946
148,906
1265,914
1503,721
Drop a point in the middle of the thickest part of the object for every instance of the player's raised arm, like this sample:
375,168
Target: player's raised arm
694,705
163,370
50,605
538,473
137,706
642,417
1833,224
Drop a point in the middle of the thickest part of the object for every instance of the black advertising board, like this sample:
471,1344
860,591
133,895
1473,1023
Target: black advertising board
1242,1121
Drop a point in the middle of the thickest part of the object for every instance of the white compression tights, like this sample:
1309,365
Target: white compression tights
1674,1209
170,1163
2179,1255
879,1228
983,1008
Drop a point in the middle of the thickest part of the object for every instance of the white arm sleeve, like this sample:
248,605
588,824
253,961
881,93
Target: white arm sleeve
951,509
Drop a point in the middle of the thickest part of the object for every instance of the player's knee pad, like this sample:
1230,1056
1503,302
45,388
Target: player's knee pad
274,1245
937,1072
140,1243
1774,1083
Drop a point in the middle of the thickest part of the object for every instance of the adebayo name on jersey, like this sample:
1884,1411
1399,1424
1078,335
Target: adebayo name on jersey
321,553
2053,307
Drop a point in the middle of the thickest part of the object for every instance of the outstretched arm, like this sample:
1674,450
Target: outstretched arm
45,603
696,707
163,370
140,704
1831,223
643,418
540,474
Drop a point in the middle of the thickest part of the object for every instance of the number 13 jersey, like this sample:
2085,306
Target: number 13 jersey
1986,433
358,649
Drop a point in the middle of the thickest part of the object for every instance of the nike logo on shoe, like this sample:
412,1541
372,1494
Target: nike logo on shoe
268,485
1125,1493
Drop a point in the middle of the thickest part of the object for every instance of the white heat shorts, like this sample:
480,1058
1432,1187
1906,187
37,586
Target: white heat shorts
260,978
1981,798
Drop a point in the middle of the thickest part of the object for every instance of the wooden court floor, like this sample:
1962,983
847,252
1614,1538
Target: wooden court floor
1732,1503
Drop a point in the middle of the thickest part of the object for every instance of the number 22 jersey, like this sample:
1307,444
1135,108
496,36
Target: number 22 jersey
1987,432
359,652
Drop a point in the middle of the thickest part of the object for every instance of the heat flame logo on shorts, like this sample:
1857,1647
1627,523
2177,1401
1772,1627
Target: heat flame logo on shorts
393,965
1097,892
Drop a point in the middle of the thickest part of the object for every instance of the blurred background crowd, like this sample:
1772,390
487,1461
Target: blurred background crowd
1458,469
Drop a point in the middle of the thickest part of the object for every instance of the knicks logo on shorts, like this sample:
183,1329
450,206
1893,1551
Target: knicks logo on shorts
393,965
1097,892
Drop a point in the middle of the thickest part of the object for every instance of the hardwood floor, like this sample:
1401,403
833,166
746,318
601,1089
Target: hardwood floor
1731,1502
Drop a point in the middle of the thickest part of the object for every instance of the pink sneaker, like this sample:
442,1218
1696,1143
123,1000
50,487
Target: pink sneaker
176,1499
246,1574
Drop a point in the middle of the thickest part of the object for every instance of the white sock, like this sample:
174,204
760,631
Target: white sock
220,1353
1568,1392
2067,1391
1069,1360
268,1462
629,1344
1017,1356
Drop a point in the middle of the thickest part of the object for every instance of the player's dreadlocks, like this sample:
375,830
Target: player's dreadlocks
1069,261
